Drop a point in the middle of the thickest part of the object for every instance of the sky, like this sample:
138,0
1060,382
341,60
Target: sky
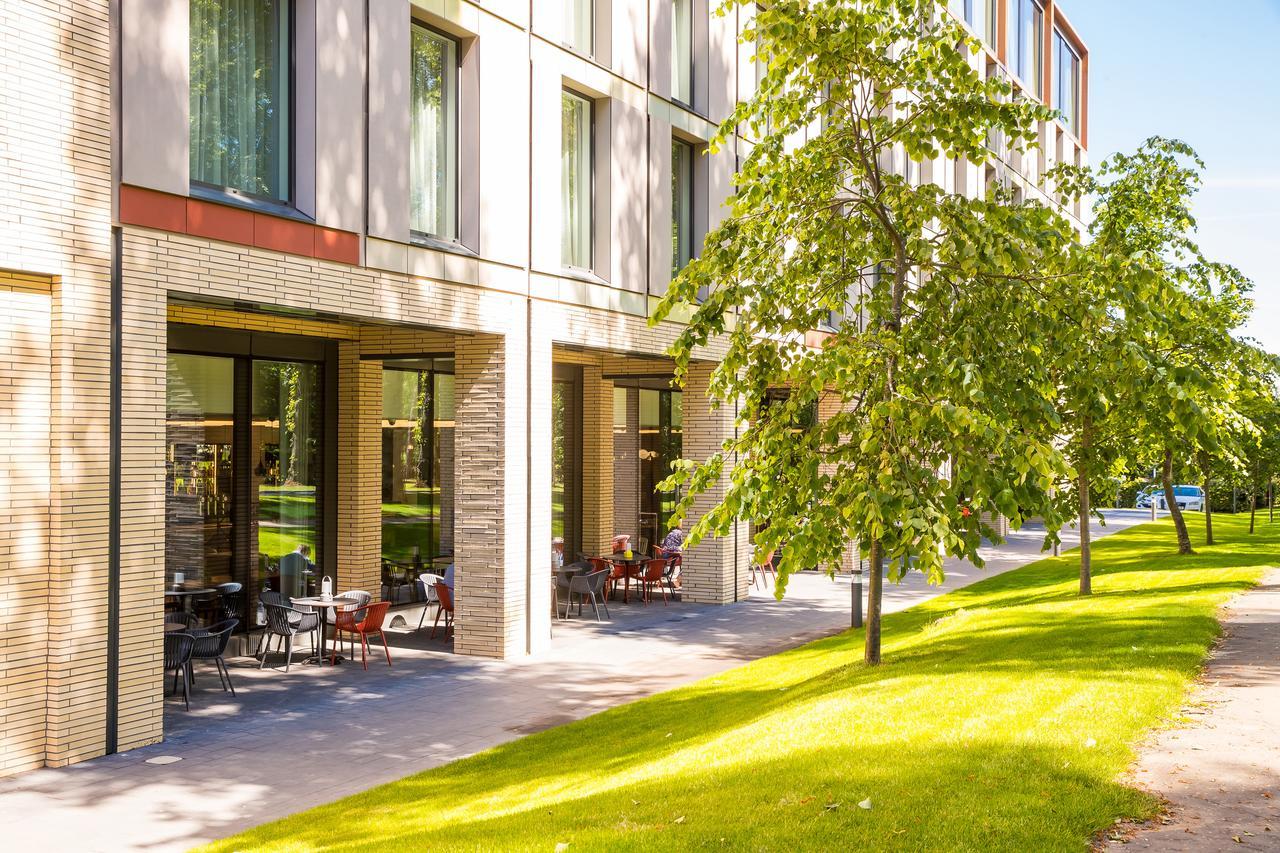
1209,74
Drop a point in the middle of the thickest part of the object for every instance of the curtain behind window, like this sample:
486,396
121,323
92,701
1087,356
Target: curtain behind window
240,95
432,135
575,181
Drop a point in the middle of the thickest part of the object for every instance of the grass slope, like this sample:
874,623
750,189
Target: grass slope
1001,721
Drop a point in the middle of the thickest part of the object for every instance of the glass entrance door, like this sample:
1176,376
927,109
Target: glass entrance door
286,458
566,462
243,473
198,470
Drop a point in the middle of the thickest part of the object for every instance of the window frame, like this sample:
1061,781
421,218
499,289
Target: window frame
682,221
454,240
592,15
566,91
286,204
1069,119
689,58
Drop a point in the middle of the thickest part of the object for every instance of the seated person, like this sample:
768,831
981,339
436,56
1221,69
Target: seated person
448,577
674,542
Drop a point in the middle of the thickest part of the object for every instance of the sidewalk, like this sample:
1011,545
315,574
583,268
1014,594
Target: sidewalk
1221,773
291,741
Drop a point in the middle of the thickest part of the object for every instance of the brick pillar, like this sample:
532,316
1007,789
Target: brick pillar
717,570
626,470
828,406
597,462
502,537
359,471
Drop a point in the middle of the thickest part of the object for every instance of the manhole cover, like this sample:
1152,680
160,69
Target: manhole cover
164,759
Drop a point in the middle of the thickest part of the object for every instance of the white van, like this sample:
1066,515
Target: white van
1187,497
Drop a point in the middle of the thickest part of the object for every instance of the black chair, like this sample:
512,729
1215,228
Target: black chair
231,603
177,658
287,623
189,621
270,596
589,586
211,645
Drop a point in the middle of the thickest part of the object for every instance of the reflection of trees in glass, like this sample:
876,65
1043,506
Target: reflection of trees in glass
238,94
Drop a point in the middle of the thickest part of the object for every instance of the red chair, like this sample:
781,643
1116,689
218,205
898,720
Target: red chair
654,575
371,624
445,594
765,568
616,572
621,542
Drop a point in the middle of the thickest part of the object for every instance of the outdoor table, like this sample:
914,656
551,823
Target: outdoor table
174,627
324,606
628,565
184,595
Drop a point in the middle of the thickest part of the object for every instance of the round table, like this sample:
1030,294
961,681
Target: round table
174,627
627,563
324,605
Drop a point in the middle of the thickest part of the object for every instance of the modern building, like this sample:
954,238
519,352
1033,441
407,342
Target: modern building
368,276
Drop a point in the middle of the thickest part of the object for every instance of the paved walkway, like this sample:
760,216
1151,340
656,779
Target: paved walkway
291,741
1221,774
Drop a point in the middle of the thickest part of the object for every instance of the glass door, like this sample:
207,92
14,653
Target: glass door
566,463
198,471
285,443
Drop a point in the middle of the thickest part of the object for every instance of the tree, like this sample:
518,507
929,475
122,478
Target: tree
938,400
1169,311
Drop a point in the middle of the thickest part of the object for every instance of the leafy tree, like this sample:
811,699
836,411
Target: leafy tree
1163,316
940,399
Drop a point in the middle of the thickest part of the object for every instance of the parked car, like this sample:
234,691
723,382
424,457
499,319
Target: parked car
1145,496
1187,497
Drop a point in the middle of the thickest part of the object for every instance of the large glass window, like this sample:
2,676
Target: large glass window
661,443
417,467
566,462
991,30
198,469
579,25
1066,76
433,134
1026,43
682,51
286,447
681,205
240,75
576,180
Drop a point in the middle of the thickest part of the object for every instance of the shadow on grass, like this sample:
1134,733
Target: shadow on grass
969,739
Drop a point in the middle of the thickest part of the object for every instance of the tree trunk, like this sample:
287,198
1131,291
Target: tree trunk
1086,545
1271,497
1179,523
1208,507
1253,499
875,595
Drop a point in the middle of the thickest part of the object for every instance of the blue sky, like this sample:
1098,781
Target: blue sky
1207,73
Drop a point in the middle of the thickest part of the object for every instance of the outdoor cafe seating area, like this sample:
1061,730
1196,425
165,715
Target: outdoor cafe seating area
200,624
622,576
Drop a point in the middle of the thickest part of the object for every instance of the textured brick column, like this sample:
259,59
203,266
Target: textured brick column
626,470
597,462
359,471
716,571
502,538
827,407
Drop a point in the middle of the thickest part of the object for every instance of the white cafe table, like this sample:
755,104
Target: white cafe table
325,605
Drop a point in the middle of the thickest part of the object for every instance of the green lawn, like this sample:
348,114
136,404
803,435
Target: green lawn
1001,721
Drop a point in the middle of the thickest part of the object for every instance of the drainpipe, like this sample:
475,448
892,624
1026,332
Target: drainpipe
112,722
528,364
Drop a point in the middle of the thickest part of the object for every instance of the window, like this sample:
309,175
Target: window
418,419
682,51
991,30
681,205
433,134
1066,76
579,25
240,76
576,180
1026,42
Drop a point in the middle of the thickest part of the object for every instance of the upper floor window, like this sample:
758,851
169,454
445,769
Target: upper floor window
681,205
991,30
579,25
240,111
433,134
1026,43
682,51
1066,76
576,188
